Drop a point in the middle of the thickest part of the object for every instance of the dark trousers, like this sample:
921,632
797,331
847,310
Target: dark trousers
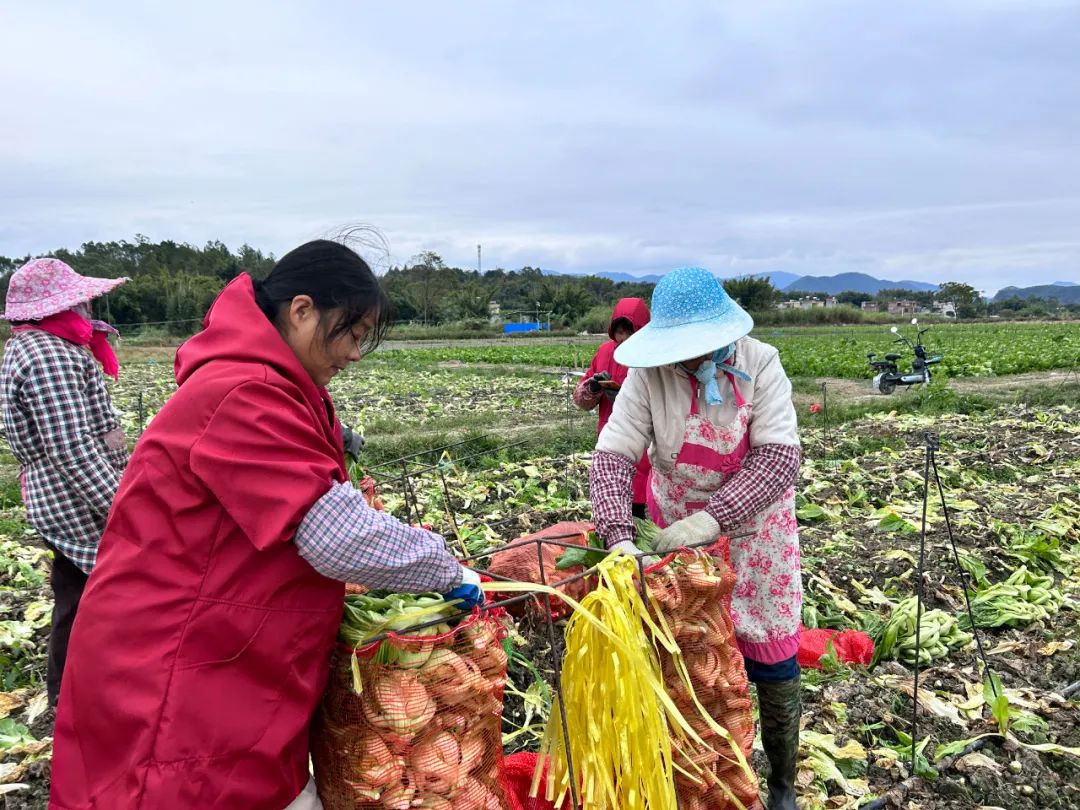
68,582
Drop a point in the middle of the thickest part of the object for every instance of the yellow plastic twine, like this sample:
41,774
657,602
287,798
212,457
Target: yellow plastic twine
620,719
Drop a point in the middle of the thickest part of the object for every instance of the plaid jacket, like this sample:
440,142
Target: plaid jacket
60,423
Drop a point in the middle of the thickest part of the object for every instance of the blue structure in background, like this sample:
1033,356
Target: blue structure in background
511,328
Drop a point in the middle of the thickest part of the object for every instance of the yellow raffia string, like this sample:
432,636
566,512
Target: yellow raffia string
617,600
357,681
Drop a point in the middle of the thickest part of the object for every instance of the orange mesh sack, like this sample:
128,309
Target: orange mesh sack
693,592
521,563
415,722
367,488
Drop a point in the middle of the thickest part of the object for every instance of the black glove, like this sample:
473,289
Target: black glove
595,380
352,441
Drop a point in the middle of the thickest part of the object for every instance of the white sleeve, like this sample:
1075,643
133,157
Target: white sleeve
774,420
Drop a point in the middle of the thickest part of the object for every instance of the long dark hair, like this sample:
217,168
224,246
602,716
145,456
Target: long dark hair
336,278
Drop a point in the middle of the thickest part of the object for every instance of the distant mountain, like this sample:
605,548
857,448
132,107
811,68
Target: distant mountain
611,276
780,279
617,277
1066,293
1065,284
853,282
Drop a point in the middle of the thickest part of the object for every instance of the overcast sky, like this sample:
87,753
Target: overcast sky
933,141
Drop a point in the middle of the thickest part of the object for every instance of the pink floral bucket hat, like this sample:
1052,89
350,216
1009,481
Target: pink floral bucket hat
44,287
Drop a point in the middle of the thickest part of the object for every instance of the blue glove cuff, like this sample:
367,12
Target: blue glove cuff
469,595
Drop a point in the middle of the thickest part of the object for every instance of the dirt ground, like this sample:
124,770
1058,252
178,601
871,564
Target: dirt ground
843,390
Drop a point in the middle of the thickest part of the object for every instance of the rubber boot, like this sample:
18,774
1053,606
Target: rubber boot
780,708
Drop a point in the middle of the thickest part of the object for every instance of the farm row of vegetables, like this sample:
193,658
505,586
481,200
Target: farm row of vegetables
446,387
383,398
969,350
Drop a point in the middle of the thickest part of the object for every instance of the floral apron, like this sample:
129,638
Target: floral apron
766,606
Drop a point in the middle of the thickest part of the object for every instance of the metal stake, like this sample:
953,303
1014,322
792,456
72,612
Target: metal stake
557,654
450,507
825,413
931,446
962,575
407,488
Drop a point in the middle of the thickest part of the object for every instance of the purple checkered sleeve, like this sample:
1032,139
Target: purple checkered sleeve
611,479
343,538
766,473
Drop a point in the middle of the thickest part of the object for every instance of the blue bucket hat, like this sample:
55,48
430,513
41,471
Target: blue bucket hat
692,315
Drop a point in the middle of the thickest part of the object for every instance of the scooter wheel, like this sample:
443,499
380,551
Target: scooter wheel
886,386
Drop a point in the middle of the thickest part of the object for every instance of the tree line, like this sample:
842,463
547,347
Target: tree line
173,284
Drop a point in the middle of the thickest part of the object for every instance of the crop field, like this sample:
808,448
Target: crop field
969,350
482,444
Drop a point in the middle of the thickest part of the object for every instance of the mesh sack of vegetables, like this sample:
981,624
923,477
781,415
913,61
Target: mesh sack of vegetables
414,720
520,771
522,563
692,591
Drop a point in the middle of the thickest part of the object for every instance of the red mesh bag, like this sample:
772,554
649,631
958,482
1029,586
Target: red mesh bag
520,768
367,489
521,563
693,593
852,647
425,728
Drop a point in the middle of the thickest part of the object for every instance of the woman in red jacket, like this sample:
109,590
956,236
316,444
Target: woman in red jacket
203,640
601,383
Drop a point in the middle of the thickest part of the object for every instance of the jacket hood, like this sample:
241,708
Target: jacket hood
236,330
634,310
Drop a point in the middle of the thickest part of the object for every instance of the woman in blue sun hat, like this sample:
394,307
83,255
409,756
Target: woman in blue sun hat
712,406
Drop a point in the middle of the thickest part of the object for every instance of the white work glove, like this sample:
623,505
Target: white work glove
700,527
470,576
628,547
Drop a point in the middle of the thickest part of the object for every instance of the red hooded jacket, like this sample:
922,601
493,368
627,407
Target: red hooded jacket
202,642
636,311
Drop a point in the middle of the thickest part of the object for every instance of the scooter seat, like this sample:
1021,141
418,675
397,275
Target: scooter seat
892,356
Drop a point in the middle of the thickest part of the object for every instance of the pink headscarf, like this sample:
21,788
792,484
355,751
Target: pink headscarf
69,325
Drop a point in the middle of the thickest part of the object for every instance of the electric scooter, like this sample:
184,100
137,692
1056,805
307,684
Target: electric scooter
888,372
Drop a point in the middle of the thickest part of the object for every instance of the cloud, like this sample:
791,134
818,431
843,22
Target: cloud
903,140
